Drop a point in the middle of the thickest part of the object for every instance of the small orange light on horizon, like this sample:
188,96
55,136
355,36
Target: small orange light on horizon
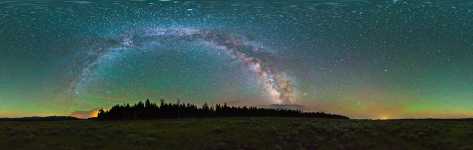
384,118
94,113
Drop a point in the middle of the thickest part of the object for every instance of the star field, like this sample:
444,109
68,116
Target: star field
360,58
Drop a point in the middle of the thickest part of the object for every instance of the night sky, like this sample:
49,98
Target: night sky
360,58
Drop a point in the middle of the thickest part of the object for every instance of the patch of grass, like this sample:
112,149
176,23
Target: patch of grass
237,133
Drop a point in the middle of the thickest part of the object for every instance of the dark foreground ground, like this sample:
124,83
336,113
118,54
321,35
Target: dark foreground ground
238,133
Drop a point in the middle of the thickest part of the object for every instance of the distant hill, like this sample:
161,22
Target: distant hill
48,118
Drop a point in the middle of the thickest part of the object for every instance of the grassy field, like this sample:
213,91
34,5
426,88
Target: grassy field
237,133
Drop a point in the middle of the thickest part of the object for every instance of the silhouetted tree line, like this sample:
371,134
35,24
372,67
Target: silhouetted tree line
149,110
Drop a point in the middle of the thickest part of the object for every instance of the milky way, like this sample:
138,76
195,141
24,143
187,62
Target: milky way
360,58
275,82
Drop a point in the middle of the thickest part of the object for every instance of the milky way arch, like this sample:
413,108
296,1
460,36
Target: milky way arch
275,82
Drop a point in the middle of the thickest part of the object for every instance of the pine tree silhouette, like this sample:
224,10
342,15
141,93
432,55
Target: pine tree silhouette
149,110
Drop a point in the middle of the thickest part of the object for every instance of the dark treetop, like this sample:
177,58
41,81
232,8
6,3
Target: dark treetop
148,110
